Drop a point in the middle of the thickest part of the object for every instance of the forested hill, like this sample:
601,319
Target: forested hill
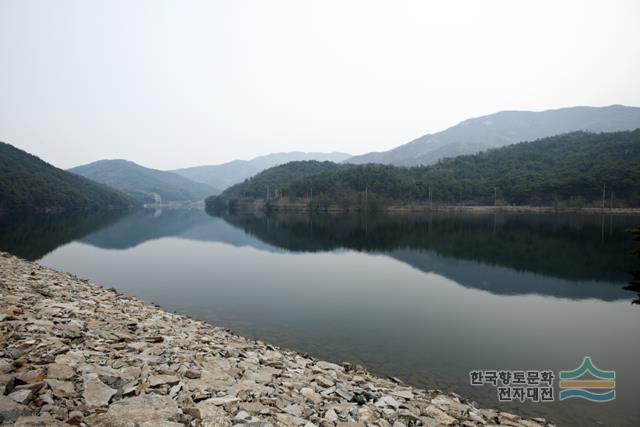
278,178
28,183
144,184
568,170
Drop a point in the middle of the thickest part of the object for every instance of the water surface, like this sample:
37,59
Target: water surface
423,298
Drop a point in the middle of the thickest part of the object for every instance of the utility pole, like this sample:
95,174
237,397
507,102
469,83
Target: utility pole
430,200
604,191
495,196
267,191
366,195
611,206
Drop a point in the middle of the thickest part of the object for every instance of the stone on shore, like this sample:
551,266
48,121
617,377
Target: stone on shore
96,393
75,353
10,410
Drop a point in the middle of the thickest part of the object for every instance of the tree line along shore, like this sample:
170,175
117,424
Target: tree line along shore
575,171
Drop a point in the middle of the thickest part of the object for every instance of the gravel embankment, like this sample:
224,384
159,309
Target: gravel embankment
72,352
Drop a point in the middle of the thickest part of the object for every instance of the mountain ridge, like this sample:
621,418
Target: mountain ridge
224,175
567,170
144,184
503,128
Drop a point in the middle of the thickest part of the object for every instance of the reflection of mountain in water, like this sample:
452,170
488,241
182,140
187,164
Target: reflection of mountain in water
506,281
566,246
32,237
192,224
569,256
145,225
561,255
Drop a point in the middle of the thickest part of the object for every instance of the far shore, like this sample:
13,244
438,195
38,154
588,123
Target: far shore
288,205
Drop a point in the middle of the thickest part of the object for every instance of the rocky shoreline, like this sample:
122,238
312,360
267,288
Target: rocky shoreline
75,353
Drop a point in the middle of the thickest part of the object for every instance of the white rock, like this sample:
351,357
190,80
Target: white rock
331,415
387,401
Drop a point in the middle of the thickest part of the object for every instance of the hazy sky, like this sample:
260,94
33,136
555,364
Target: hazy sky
178,83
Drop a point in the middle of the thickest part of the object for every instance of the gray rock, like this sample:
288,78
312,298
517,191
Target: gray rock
324,382
10,410
60,371
158,380
293,410
387,401
192,373
439,415
30,377
148,408
96,393
289,420
39,421
344,393
21,396
405,394
212,415
61,388
6,383
241,416
219,401
331,415
311,395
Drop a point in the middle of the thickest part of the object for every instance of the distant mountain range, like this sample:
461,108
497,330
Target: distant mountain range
225,175
144,184
567,170
504,128
28,183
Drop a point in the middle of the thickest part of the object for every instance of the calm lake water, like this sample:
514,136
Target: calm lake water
424,298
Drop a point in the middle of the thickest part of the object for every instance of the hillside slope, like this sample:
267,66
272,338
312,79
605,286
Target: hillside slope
143,183
504,128
227,174
568,169
29,183
280,177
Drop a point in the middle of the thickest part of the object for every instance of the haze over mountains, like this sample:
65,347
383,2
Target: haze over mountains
148,185
144,184
27,182
227,174
567,170
504,128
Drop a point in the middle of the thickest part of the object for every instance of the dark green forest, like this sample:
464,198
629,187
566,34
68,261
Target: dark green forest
566,170
30,184
277,179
